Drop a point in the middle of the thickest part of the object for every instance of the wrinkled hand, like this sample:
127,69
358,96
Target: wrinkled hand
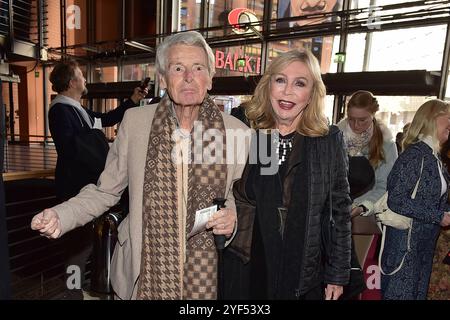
222,222
333,292
446,220
47,223
139,94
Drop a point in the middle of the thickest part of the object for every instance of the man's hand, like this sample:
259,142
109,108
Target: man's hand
222,222
333,292
47,223
138,94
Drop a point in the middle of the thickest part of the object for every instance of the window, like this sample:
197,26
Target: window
407,49
137,72
299,8
324,48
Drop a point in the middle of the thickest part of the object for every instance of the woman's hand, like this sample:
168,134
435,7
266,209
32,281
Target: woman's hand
333,292
356,211
445,222
222,222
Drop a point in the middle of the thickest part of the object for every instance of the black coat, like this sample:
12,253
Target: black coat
261,265
73,170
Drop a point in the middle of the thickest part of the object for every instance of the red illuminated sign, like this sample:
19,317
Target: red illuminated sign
227,60
240,16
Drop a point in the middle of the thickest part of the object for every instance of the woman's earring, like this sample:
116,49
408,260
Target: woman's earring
162,92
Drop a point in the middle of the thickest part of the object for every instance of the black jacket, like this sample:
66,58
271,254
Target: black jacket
305,260
66,124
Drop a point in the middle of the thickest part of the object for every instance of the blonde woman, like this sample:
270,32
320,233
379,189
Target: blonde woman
429,130
278,252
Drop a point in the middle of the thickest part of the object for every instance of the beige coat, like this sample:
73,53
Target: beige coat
124,167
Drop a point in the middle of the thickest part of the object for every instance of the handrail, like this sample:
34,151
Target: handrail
20,175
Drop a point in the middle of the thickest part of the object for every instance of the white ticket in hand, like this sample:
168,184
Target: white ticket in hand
201,218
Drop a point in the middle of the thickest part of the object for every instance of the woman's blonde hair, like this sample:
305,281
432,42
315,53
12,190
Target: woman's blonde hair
365,100
313,122
424,121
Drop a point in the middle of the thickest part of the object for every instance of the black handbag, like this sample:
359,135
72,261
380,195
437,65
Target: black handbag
90,149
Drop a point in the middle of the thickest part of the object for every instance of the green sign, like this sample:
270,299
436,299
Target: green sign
339,57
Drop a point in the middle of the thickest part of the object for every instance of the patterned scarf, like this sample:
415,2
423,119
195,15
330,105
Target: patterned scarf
161,276
356,142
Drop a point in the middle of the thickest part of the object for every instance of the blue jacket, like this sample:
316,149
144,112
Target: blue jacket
426,210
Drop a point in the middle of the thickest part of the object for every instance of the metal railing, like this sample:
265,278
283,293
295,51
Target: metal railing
37,263
33,155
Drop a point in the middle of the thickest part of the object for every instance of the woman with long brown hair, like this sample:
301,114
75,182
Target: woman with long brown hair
368,140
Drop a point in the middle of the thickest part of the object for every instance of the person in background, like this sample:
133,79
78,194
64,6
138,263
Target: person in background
68,118
161,153
278,251
75,167
367,137
420,159
239,113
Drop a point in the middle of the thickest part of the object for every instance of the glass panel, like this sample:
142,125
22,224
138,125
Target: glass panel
221,13
105,74
354,59
301,8
323,48
329,101
408,49
374,13
238,61
186,15
137,72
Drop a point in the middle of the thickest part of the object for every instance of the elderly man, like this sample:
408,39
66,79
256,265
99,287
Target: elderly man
81,150
175,157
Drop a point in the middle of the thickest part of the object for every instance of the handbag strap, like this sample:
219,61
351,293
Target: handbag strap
383,238
383,235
